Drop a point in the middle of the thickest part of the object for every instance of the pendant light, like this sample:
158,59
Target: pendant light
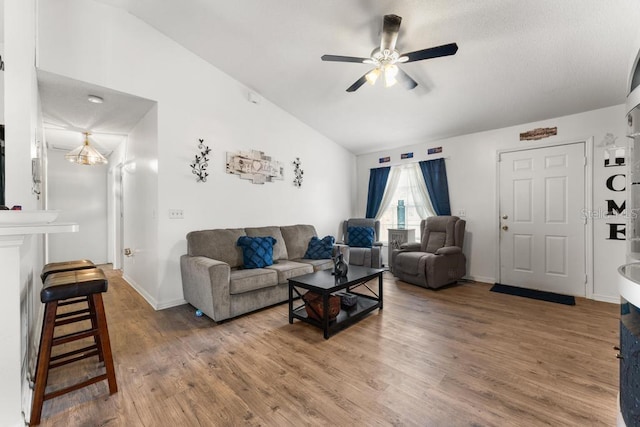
86,154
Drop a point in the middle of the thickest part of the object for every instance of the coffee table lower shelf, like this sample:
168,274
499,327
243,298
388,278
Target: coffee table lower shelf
346,317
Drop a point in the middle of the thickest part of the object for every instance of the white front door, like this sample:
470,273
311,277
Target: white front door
542,225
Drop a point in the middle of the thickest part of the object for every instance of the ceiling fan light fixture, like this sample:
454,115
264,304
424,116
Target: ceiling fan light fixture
372,76
86,154
390,73
385,57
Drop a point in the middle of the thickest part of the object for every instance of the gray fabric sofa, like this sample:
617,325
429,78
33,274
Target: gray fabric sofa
214,281
438,259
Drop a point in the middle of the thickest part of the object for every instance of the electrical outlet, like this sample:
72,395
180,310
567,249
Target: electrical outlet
462,213
176,214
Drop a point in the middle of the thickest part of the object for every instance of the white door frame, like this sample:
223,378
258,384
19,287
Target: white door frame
116,208
588,199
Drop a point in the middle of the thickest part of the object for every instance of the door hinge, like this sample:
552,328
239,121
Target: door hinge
586,279
585,161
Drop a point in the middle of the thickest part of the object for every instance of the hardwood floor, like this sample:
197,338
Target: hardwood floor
460,356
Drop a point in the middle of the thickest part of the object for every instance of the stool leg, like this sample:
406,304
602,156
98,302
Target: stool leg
104,341
94,325
42,366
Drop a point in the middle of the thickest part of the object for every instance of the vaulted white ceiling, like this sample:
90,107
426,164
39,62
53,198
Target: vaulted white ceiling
518,61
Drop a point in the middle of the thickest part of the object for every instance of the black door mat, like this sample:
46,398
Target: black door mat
532,293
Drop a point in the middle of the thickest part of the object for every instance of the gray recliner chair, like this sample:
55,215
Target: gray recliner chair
438,259
366,257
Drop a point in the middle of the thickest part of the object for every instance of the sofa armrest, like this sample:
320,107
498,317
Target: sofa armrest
378,244
205,284
448,250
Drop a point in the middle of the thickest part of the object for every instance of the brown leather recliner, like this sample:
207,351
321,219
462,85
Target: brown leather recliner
438,259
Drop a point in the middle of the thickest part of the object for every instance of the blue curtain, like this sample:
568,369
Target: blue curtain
435,176
377,183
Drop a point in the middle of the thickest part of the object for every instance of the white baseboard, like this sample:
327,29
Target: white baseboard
169,304
606,298
482,279
151,300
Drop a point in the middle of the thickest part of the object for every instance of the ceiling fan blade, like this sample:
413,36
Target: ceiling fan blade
338,58
406,80
432,52
354,87
390,28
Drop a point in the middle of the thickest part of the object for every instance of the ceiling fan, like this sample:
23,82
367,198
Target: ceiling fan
386,57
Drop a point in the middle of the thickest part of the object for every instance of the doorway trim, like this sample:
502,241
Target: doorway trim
115,220
588,199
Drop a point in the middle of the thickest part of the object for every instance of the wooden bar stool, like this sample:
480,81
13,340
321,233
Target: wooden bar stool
72,287
58,267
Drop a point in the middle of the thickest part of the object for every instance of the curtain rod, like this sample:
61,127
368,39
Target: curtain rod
381,165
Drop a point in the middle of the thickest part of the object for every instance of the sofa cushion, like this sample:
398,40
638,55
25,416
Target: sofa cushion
360,237
220,244
279,248
320,248
296,239
257,252
287,269
242,281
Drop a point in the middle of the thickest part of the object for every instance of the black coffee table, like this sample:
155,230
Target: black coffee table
324,283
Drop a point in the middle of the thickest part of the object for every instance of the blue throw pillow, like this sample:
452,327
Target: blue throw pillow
360,237
320,248
257,252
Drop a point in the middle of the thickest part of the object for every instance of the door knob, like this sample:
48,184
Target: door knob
505,216
505,228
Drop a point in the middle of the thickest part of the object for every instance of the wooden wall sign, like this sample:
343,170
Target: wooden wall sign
538,133
255,166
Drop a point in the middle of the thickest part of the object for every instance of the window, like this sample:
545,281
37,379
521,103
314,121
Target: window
410,177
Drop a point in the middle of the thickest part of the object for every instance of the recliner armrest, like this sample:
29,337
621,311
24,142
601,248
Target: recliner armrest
411,247
449,250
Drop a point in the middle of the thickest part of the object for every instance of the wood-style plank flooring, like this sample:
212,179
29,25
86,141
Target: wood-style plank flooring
459,356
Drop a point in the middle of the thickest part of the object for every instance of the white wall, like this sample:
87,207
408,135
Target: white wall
140,188
80,193
21,118
196,100
471,171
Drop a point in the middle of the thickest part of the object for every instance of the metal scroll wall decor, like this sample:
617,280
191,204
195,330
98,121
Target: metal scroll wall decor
254,165
297,181
201,163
